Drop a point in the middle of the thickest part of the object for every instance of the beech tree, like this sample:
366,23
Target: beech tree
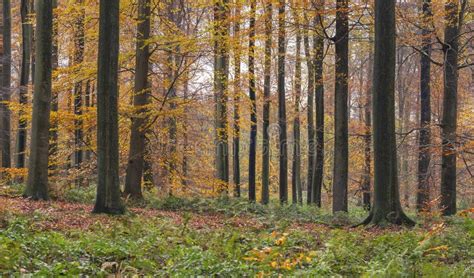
37,185
221,72
108,187
310,114
237,92
424,156
266,103
136,154
386,206
78,86
341,137
450,108
319,99
296,189
253,108
283,144
5,55
26,7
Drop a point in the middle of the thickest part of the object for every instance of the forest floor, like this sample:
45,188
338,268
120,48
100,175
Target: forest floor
178,237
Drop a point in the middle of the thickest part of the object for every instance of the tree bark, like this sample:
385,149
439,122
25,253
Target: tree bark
221,70
136,155
37,185
366,183
266,104
341,148
283,144
26,37
53,131
319,103
78,91
310,117
296,167
386,207
449,118
5,121
253,108
424,152
237,92
108,188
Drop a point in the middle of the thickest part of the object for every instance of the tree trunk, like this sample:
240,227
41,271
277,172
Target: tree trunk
78,92
266,103
341,148
296,167
53,131
26,36
449,120
136,155
5,85
221,70
37,186
424,153
237,92
283,144
366,193
253,108
319,99
108,187
386,207
310,117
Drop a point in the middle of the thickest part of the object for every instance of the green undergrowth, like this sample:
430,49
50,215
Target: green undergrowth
157,245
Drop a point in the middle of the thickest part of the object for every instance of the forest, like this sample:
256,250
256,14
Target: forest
229,138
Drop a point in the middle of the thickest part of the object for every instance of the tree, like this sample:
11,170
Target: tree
221,72
319,99
296,189
310,116
53,131
341,151
266,103
136,155
424,153
5,121
283,147
253,101
37,185
78,91
368,131
236,133
26,8
386,206
450,98
108,188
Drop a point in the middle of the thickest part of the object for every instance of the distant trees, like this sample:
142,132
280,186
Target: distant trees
141,97
108,188
386,205
37,185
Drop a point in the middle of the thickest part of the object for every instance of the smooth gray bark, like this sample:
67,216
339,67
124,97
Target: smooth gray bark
37,185
108,187
135,165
